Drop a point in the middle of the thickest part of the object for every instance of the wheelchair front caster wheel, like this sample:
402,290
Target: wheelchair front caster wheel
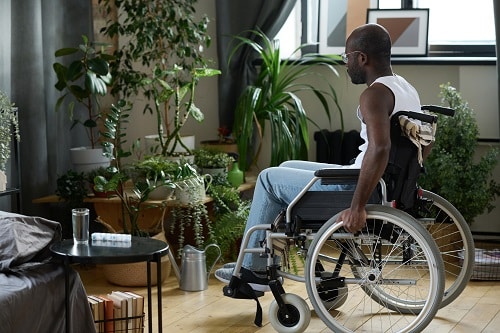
295,319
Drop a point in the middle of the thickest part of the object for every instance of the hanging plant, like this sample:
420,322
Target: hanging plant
8,125
190,218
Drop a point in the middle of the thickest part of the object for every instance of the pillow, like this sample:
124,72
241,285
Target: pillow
25,238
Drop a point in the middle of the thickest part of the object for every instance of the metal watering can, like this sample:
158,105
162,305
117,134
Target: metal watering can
193,275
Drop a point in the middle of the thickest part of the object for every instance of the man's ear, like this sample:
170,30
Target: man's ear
363,58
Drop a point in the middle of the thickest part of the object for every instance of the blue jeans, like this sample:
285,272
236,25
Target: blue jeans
276,187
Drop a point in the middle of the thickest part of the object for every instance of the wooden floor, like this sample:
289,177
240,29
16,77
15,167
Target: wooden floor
476,310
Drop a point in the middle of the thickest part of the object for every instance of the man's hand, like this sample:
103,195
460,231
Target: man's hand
354,220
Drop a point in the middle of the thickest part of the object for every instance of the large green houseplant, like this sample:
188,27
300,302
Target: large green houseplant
161,56
452,169
82,83
273,100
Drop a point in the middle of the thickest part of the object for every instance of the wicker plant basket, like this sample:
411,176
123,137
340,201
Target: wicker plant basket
135,274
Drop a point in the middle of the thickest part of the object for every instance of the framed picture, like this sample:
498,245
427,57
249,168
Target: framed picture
332,26
337,18
408,29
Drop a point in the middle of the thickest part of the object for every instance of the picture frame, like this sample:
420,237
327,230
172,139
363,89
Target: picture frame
332,26
408,29
337,18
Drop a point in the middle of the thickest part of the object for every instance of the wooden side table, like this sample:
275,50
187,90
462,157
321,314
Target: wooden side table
141,249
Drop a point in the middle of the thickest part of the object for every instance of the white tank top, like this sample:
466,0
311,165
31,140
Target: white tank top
405,99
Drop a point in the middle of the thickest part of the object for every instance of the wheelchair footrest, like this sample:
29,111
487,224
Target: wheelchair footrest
242,290
241,293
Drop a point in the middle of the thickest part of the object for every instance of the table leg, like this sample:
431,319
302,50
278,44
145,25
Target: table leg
150,306
158,285
66,294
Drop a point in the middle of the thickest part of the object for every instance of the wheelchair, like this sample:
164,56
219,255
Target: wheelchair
390,276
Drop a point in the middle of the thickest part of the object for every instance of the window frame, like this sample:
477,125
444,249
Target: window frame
443,50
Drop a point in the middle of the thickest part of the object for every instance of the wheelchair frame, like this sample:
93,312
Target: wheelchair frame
367,270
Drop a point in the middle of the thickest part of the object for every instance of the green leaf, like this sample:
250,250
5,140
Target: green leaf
196,113
66,51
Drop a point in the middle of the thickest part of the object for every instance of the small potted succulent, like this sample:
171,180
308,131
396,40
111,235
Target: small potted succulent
212,161
8,124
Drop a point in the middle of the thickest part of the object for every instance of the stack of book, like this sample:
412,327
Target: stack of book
119,311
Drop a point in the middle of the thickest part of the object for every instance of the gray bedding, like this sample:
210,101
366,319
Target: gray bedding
32,297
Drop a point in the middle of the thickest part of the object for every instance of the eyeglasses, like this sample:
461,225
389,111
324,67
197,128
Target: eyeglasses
344,56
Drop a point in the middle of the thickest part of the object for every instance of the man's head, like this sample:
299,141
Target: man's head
368,51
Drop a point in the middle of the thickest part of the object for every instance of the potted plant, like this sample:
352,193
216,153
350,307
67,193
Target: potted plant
162,57
133,193
9,129
225,141
72,187
273,100
99,172
212,161
158,172
452,170
83,81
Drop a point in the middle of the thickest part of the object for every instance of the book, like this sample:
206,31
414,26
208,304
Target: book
138,310
95,311
100,313
120,311
128,308
109,325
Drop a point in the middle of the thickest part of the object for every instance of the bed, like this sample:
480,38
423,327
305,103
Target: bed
32,297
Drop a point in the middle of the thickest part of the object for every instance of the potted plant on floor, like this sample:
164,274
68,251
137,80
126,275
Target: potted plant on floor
452,169
9,129
273,100
82,82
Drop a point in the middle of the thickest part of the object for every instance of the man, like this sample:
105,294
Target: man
368,60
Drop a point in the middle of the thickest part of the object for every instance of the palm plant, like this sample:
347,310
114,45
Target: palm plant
273,98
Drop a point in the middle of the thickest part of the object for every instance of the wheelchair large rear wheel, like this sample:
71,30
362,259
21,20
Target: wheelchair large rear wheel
452,234
392,269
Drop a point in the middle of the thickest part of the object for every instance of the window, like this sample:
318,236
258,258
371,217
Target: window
456,27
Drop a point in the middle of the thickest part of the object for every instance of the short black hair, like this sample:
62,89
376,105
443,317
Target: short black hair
374,40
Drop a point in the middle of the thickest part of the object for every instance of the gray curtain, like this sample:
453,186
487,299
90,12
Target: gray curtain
496,9
233,18
35,30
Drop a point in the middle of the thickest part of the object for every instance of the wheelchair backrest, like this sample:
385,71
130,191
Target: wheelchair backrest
400,177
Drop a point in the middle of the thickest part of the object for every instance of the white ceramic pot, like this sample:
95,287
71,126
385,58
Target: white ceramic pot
86,159
161,193
192,189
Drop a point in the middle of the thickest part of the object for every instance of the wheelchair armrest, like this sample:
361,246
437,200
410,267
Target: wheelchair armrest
337,176
426,118
439,109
